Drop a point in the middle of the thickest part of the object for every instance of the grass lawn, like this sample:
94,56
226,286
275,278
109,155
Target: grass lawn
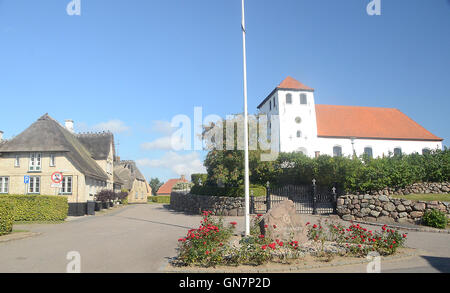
425,197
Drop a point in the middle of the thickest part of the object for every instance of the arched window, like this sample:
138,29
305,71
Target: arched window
288,99
426,151
337,151
299,133
397,151
303,99
368,151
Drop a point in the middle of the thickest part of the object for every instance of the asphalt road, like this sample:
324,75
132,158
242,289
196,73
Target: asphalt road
141,238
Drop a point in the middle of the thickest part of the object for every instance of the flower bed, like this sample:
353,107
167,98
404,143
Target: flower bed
216,244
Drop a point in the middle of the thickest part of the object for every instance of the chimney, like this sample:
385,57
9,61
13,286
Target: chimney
1,135
69,125
183,177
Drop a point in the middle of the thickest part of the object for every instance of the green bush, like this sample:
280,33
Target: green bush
6,217
435,218
257,190
159,199
38,207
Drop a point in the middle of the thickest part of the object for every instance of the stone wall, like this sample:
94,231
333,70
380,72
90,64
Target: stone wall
196,204
416,188
381,208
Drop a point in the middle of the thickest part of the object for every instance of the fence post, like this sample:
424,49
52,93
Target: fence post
268,203
314,197
334,200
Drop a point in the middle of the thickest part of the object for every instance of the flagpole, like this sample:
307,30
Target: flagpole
247,181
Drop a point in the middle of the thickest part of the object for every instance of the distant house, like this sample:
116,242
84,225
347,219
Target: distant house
136,184
166,188
45,147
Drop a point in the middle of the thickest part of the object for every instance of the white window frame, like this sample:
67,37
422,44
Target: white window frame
339,155
66,185
288,99
4,184
35,162
52,160
17,161
303,95
32,185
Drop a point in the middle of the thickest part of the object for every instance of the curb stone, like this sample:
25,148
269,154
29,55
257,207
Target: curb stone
398,227
296,268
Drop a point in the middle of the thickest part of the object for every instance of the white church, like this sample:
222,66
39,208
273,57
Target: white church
315,129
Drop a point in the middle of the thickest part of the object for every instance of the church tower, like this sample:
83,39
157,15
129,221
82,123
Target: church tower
294,104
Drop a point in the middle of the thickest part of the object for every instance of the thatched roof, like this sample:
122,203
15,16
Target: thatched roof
99,144
47,135
127,171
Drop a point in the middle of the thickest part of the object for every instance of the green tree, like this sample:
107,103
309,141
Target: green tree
155,184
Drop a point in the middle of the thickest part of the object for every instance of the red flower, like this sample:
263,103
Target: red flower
233,223
404,235
264,247
259,215
207,252
308,223
315,226
280,243
272,245
261,236
274,226
266,226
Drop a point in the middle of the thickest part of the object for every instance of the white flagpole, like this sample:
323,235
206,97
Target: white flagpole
247,180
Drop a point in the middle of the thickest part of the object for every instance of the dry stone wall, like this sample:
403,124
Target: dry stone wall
382,208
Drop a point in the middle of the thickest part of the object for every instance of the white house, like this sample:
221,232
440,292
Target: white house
341,130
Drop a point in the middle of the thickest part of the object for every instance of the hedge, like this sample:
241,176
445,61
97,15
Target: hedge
159,199
38,207
256,190
6,217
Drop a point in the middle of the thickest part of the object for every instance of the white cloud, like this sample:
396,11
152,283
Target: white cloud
114,126
163,127
167,143
179,164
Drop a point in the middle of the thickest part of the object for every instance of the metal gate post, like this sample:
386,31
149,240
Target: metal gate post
334,200
268,203
252,203
314,197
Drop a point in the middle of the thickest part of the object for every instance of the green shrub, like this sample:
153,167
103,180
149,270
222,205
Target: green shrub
38,207
256,190
159,199
435,218
6,217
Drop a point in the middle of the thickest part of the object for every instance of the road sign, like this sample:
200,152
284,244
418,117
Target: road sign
57,177
26,179
56,185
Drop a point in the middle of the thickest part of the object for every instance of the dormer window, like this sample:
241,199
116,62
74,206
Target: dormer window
303,99
35,162
288,99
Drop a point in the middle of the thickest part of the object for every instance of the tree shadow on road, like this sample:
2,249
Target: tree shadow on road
442,264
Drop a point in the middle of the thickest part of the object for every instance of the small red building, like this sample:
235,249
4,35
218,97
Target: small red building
166,188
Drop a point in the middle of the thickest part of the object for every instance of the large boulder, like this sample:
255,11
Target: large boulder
282,222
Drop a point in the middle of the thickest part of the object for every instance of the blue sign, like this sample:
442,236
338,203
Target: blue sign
26,179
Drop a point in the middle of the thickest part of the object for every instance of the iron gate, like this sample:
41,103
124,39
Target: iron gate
308,199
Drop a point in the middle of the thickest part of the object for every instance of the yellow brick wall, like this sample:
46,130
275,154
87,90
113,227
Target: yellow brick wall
81,187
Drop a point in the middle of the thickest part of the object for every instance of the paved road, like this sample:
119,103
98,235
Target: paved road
137,238
141,238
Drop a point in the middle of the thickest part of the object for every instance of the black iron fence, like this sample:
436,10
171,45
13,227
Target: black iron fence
308,199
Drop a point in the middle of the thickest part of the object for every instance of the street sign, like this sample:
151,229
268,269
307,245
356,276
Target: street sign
56,185
26,179
57,177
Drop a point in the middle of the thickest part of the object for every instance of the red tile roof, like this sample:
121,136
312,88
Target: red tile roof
166,188
291,83
368,122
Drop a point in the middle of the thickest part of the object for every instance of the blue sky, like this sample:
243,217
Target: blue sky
130,66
